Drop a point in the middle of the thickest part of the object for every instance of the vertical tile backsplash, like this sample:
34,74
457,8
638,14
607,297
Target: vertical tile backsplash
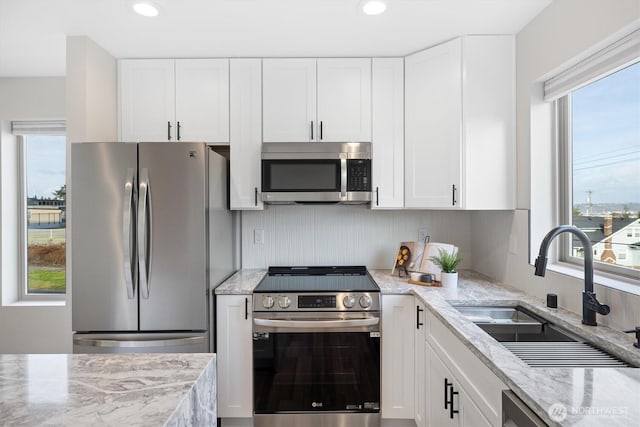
341,235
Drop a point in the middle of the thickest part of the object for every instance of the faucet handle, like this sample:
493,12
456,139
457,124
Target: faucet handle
637,332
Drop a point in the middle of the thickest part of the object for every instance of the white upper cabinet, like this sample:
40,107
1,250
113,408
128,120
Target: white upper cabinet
459,133
388,133
289,100
309,100
171,100
202,99
344,100
147,99
245,139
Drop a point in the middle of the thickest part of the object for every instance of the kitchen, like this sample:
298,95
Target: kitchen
493,243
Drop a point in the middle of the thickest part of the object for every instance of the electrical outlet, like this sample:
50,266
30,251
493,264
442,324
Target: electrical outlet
258,236
422,235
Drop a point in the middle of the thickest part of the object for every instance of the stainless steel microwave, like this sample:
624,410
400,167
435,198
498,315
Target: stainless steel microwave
323,172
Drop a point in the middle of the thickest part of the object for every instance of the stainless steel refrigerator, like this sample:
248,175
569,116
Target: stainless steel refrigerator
141,220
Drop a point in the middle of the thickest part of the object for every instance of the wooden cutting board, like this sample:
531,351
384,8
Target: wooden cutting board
417,282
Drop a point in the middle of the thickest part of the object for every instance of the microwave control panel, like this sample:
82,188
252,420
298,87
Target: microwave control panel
359,175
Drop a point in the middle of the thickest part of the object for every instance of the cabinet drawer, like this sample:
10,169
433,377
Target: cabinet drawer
482,385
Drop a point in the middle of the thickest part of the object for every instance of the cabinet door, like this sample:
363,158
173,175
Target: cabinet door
420,379
344,99
202,100
147,100
234,356
245,142
397,356
433,122
289,100
470,415
438,392
489,122
388,133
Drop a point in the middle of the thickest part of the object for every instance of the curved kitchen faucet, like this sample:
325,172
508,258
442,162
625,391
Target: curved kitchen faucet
590,305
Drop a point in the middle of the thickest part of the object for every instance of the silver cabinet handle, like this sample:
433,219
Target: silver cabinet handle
95,342
144,228
169,131
127,206
311,130
324,324
453,195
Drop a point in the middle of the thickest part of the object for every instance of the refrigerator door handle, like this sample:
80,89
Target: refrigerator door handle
127,222
101,342
144,225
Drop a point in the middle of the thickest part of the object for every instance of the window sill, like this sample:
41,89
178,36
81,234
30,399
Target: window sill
37,303
628,285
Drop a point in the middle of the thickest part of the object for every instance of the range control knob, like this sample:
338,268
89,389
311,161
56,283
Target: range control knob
267,302
365,301
349,301
284,302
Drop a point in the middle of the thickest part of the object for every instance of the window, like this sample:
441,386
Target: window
599,163
42,157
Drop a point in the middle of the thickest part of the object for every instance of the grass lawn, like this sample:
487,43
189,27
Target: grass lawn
46,280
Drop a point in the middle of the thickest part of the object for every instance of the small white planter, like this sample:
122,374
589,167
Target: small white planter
449,280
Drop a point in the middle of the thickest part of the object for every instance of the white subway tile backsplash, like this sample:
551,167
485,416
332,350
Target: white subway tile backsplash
340,235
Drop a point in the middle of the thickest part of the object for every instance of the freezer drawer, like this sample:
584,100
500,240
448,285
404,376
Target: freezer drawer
141,343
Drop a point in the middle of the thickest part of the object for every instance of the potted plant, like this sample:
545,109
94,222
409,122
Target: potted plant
448,262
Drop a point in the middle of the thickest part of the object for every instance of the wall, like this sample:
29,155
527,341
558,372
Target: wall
33,98
24,328
338,235
565,32
91,92
87,99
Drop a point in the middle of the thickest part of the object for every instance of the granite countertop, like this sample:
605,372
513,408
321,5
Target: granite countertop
108,389
591,396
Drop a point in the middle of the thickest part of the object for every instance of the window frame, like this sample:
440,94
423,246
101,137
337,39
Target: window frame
23,269
564,167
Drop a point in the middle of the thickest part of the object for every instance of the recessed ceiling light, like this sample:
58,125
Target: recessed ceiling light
145,9
374,7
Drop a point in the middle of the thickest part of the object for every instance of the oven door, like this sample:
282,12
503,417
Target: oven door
314,363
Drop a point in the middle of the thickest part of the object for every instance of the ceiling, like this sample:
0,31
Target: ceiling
33,32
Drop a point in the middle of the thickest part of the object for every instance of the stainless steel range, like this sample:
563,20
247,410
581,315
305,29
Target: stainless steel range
316,348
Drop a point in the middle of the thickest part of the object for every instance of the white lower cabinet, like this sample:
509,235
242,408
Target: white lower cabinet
234,356
448,403
397,356
420,365
461,389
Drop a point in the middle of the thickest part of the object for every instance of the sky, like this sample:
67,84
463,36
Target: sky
606,139
46,158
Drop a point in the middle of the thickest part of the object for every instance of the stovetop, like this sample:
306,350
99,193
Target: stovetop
317,279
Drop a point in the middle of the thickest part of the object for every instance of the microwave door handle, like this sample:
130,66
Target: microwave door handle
343,176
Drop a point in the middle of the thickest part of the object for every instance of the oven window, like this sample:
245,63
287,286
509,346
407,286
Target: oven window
315,372
301,175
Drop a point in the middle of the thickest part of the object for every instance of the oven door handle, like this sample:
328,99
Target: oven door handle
316,324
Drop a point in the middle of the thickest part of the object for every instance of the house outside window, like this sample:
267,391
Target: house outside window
598,122
42,181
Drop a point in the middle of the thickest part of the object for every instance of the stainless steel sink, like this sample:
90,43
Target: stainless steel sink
536,341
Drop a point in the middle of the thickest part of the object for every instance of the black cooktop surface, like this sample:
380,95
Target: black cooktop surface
317,279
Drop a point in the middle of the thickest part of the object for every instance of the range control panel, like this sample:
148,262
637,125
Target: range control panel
341,301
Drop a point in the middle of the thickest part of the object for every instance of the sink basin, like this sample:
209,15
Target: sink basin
536,341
